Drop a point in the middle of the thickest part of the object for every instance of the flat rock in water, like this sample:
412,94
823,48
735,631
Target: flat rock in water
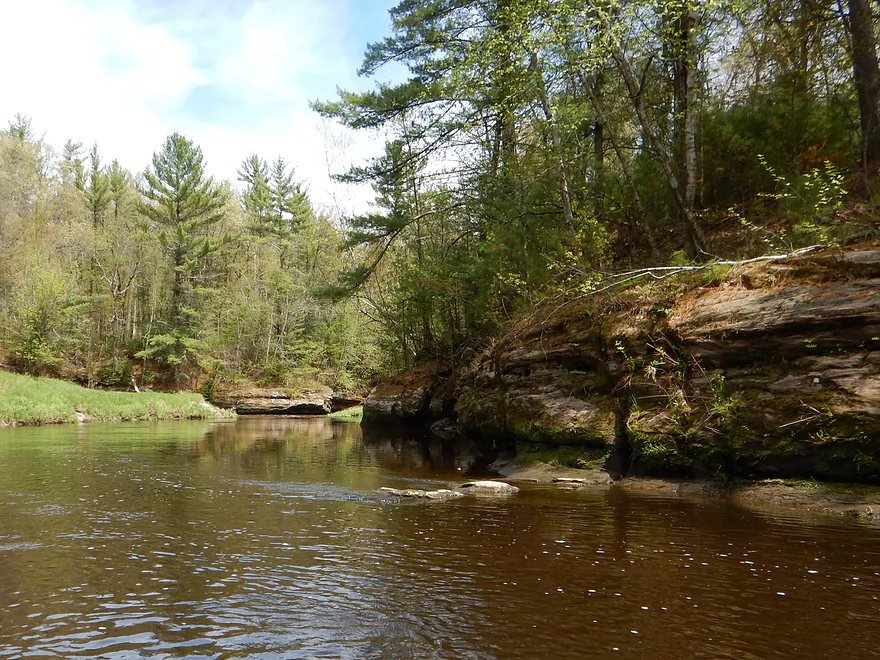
489,487
441,494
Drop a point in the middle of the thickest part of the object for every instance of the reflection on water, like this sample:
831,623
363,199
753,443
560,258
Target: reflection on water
267,538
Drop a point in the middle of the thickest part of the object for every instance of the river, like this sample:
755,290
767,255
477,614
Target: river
267,538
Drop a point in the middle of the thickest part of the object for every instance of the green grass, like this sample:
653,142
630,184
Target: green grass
355,414
27,400
570,456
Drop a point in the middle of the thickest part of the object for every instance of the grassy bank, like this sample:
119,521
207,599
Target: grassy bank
27,400
355,414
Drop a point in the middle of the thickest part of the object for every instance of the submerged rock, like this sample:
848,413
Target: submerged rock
489,488
440,494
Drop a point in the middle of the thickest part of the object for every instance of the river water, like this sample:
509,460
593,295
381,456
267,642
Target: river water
267,538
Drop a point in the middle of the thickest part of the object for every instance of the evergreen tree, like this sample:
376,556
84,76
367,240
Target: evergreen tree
277,204
20,128
73,170
98,191
119,184
288,199
257,197
184,206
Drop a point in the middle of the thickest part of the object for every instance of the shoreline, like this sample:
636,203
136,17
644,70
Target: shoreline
35,401
857,501
219,416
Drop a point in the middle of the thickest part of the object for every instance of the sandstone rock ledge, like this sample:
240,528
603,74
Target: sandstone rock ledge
265,401
763,370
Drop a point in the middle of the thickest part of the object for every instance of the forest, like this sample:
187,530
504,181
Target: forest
535,147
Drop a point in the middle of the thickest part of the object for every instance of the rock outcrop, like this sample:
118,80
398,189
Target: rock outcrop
316,400
760,370
412,399
493,488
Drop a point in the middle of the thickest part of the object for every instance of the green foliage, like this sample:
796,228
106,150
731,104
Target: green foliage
533,148
723,407
43,312
184,206
97,192
354,415
813,201
579,458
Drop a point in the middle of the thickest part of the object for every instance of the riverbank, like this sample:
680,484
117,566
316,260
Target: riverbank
755,371
758,381
838,499
25,400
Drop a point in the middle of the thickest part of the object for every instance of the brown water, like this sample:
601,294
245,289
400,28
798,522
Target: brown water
267,538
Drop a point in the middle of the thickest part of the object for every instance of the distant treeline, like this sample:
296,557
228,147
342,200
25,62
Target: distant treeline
168,277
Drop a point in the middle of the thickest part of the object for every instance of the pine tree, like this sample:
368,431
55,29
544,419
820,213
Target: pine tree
276,203
72,166
98,191
257,197
118,181
183,205
20,129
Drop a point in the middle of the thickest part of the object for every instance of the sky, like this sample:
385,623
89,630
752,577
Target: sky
233,76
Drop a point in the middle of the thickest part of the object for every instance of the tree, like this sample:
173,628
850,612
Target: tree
119,184
184,205
277,204
866,75
97,192
72,165
257,197
20,129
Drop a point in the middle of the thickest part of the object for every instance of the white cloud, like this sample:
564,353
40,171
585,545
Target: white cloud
99,72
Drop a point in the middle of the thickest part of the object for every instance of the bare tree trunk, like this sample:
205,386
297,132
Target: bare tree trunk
684,86
866,75
598,151
556,139
694,242
631,184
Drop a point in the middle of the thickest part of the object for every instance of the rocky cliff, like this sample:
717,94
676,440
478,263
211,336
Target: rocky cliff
764,369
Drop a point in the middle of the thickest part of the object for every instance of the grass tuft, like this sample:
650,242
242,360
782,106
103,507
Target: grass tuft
355,414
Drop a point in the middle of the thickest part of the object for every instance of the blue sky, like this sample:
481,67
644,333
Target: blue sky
235,76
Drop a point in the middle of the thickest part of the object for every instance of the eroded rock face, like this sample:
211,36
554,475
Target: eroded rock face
392,404
782,380
258,401
412,399
773,371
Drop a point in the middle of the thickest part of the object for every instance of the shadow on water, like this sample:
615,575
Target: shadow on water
404,450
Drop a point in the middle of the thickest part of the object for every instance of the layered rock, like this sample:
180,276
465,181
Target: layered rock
264,401
766,370
411,399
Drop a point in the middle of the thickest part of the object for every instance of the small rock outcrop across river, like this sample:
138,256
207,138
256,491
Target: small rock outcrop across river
318,400
760,370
